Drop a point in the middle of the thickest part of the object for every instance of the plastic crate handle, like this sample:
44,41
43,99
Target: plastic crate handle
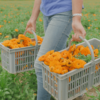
34,36
88,44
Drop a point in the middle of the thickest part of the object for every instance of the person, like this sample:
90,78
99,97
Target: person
59,17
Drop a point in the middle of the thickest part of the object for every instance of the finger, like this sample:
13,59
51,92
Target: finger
29,30
83,35
33,28
75,37
83,32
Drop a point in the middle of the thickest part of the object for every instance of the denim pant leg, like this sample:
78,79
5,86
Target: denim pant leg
57,32
46,22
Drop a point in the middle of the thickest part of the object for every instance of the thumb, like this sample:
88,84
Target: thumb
27,26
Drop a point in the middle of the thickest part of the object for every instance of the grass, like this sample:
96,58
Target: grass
15,15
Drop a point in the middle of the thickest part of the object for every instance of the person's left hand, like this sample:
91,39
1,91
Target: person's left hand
78,29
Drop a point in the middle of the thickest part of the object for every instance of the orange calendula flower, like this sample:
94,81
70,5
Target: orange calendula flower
14,39
73,59
69,63
80,47
96,68
96,52
64,53
54,64
51,52
32,43
26,65
42,58
59,69
5,21
71,68
40,19
86,89
49,59
22,41
35,94
85,51
1,26
76,52
94,14
16,30
39,39
56,55
72,48
88,20
20,45
6,36
78,64
21,37
69,79
69,56
95,19
92,46
15,47
88,27
0,33
63,61
64,70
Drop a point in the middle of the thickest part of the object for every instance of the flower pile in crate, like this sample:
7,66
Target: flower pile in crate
68,60
22,41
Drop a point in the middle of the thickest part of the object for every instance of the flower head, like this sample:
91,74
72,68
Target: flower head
0,33
40,19
16,30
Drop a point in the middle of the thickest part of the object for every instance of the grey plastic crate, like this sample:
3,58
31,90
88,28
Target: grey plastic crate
96,73
19,60
75,82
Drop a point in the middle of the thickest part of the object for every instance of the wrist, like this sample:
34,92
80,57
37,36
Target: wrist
77,14
33,19
76,18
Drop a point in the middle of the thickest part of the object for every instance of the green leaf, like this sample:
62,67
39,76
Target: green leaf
1,93
9,97
17,96
6,92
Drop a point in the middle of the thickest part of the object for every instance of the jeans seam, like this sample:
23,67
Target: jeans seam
63,32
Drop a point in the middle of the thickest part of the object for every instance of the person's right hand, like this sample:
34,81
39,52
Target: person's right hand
78,29
31,25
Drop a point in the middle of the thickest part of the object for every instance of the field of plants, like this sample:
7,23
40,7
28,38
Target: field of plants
14,16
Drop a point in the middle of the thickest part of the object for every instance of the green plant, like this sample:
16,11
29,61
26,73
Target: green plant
94,97
17,87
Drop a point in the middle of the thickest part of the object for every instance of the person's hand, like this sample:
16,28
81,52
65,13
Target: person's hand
78,29
31,25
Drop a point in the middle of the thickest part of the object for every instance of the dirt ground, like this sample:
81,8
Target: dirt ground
91,92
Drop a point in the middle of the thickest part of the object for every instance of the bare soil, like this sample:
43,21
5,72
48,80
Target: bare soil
91,92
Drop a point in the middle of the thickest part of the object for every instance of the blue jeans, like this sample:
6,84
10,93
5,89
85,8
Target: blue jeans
57,29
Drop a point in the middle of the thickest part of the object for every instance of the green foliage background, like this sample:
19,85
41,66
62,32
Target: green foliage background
14,14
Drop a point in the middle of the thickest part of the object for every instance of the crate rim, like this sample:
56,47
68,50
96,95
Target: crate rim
17,49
